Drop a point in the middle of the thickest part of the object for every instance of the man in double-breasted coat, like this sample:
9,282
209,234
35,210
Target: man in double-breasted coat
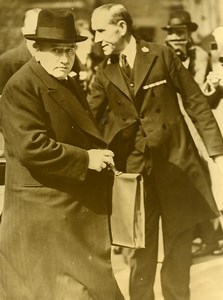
136,105
54,239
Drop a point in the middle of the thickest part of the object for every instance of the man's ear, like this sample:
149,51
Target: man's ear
122,27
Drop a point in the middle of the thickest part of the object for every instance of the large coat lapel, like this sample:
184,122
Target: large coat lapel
75,109
113,72
74,104
144,61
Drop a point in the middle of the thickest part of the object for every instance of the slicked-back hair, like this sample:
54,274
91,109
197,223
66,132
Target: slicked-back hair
117,13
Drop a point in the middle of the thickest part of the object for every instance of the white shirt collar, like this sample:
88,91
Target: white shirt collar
130,51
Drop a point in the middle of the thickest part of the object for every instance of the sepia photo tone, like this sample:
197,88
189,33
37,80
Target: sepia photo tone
92,91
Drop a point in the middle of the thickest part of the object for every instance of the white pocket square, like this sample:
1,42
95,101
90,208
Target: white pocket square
151,85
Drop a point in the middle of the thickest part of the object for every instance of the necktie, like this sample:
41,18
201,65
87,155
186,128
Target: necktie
125,66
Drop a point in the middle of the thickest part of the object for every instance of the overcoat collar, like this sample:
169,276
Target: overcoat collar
145,57
77,108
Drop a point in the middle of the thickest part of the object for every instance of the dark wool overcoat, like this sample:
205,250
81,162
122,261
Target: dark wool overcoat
150,99
54,239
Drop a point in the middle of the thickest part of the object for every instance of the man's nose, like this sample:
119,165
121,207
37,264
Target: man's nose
97,37
64,57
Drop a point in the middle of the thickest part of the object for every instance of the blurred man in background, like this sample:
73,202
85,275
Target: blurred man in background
179,37
13,59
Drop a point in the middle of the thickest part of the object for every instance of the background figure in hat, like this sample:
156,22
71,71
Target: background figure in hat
179,36
54,239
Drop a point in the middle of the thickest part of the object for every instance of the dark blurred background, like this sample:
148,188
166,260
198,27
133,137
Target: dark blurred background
149,16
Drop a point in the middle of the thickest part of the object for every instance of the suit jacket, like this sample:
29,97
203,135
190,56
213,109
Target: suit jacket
158,75
54,240
11,61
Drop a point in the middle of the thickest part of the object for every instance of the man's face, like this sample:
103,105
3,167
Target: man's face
178,37
178,33
56,59
110,36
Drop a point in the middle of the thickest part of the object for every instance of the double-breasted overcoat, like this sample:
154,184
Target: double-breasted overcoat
150,100
54,239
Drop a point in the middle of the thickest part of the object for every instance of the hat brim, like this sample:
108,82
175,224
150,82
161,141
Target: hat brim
75,39
191,26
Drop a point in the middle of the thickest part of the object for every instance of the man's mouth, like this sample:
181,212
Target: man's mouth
62,68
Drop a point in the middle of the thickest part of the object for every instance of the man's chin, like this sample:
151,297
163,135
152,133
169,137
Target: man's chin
60,75
107,51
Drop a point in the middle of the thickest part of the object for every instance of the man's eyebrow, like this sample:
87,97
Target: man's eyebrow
62,44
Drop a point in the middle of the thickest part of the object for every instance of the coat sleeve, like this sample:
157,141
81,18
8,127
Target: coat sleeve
29,138
195,103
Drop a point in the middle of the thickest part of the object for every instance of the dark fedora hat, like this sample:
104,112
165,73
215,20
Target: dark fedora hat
180,18
55,26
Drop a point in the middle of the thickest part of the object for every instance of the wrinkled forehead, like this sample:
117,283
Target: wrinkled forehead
100,19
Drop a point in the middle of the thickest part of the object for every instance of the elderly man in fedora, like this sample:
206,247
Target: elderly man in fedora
54,239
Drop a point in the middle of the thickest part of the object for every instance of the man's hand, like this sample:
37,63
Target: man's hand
100,159
219,162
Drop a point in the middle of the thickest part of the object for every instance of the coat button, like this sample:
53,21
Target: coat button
141,116
131,84
119,102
